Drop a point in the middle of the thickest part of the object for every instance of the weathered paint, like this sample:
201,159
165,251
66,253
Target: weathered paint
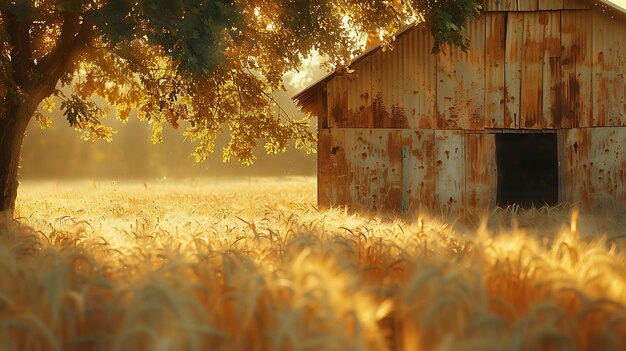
321,107
525,69
407,128
528,5
531,102
533,5
551,75
333,178
500,5
513,69
386,168
420,168
576,4
550,4
420,80
594,161
541,70
386,78
450,165
609,83
361,167
334,108
494,69
576,69
399,169
481,170
461,83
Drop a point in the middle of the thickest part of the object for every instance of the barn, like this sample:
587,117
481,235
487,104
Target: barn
533,113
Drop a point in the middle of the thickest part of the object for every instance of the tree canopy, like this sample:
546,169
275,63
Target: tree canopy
212,64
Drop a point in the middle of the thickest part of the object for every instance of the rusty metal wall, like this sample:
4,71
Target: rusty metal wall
461,82
420,80
594,166
545,69
495,46
481,172
534,5
409,129
401,169
576,35
609,70
361,166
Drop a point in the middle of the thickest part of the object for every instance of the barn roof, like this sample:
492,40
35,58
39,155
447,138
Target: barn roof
308,98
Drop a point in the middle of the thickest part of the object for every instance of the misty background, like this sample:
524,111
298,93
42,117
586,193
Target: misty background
58,152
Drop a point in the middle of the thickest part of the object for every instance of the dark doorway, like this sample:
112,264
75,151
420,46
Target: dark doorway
527,169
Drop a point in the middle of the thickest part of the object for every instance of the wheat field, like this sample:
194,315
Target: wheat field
255,265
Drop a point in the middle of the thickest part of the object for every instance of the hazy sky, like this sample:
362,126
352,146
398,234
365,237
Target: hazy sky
621,3
58,152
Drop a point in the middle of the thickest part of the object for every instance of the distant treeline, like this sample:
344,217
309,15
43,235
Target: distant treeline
58,152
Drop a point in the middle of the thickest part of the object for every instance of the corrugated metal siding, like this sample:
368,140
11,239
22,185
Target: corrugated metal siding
526,69
407,126
349,97
394,168
531,101
360,94
550,4
576,70
450,165
461,82
500,5
513,69
321,106
533,5
336,109
481,170
541,70
420,76
594,161
333,179
576,4
609,68
528,5
361,167
494,69
551,85
419,173
386,89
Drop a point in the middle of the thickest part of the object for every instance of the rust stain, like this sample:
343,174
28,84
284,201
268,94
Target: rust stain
571,93
525,70
494,69
595,164
461,82
532,65
500,5
378,108
513,68
481,170
384,119
341,171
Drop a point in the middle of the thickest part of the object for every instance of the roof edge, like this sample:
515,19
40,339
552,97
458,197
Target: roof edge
314,86
305,94
614,6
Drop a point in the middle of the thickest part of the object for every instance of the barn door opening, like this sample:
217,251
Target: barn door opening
527,169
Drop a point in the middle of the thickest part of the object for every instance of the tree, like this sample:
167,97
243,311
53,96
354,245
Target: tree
212,64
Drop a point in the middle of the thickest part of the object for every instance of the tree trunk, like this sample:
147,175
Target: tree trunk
12,129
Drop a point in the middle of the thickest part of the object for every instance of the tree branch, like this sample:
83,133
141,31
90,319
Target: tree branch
75,35
21,55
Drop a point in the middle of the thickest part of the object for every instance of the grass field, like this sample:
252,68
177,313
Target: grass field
254,265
